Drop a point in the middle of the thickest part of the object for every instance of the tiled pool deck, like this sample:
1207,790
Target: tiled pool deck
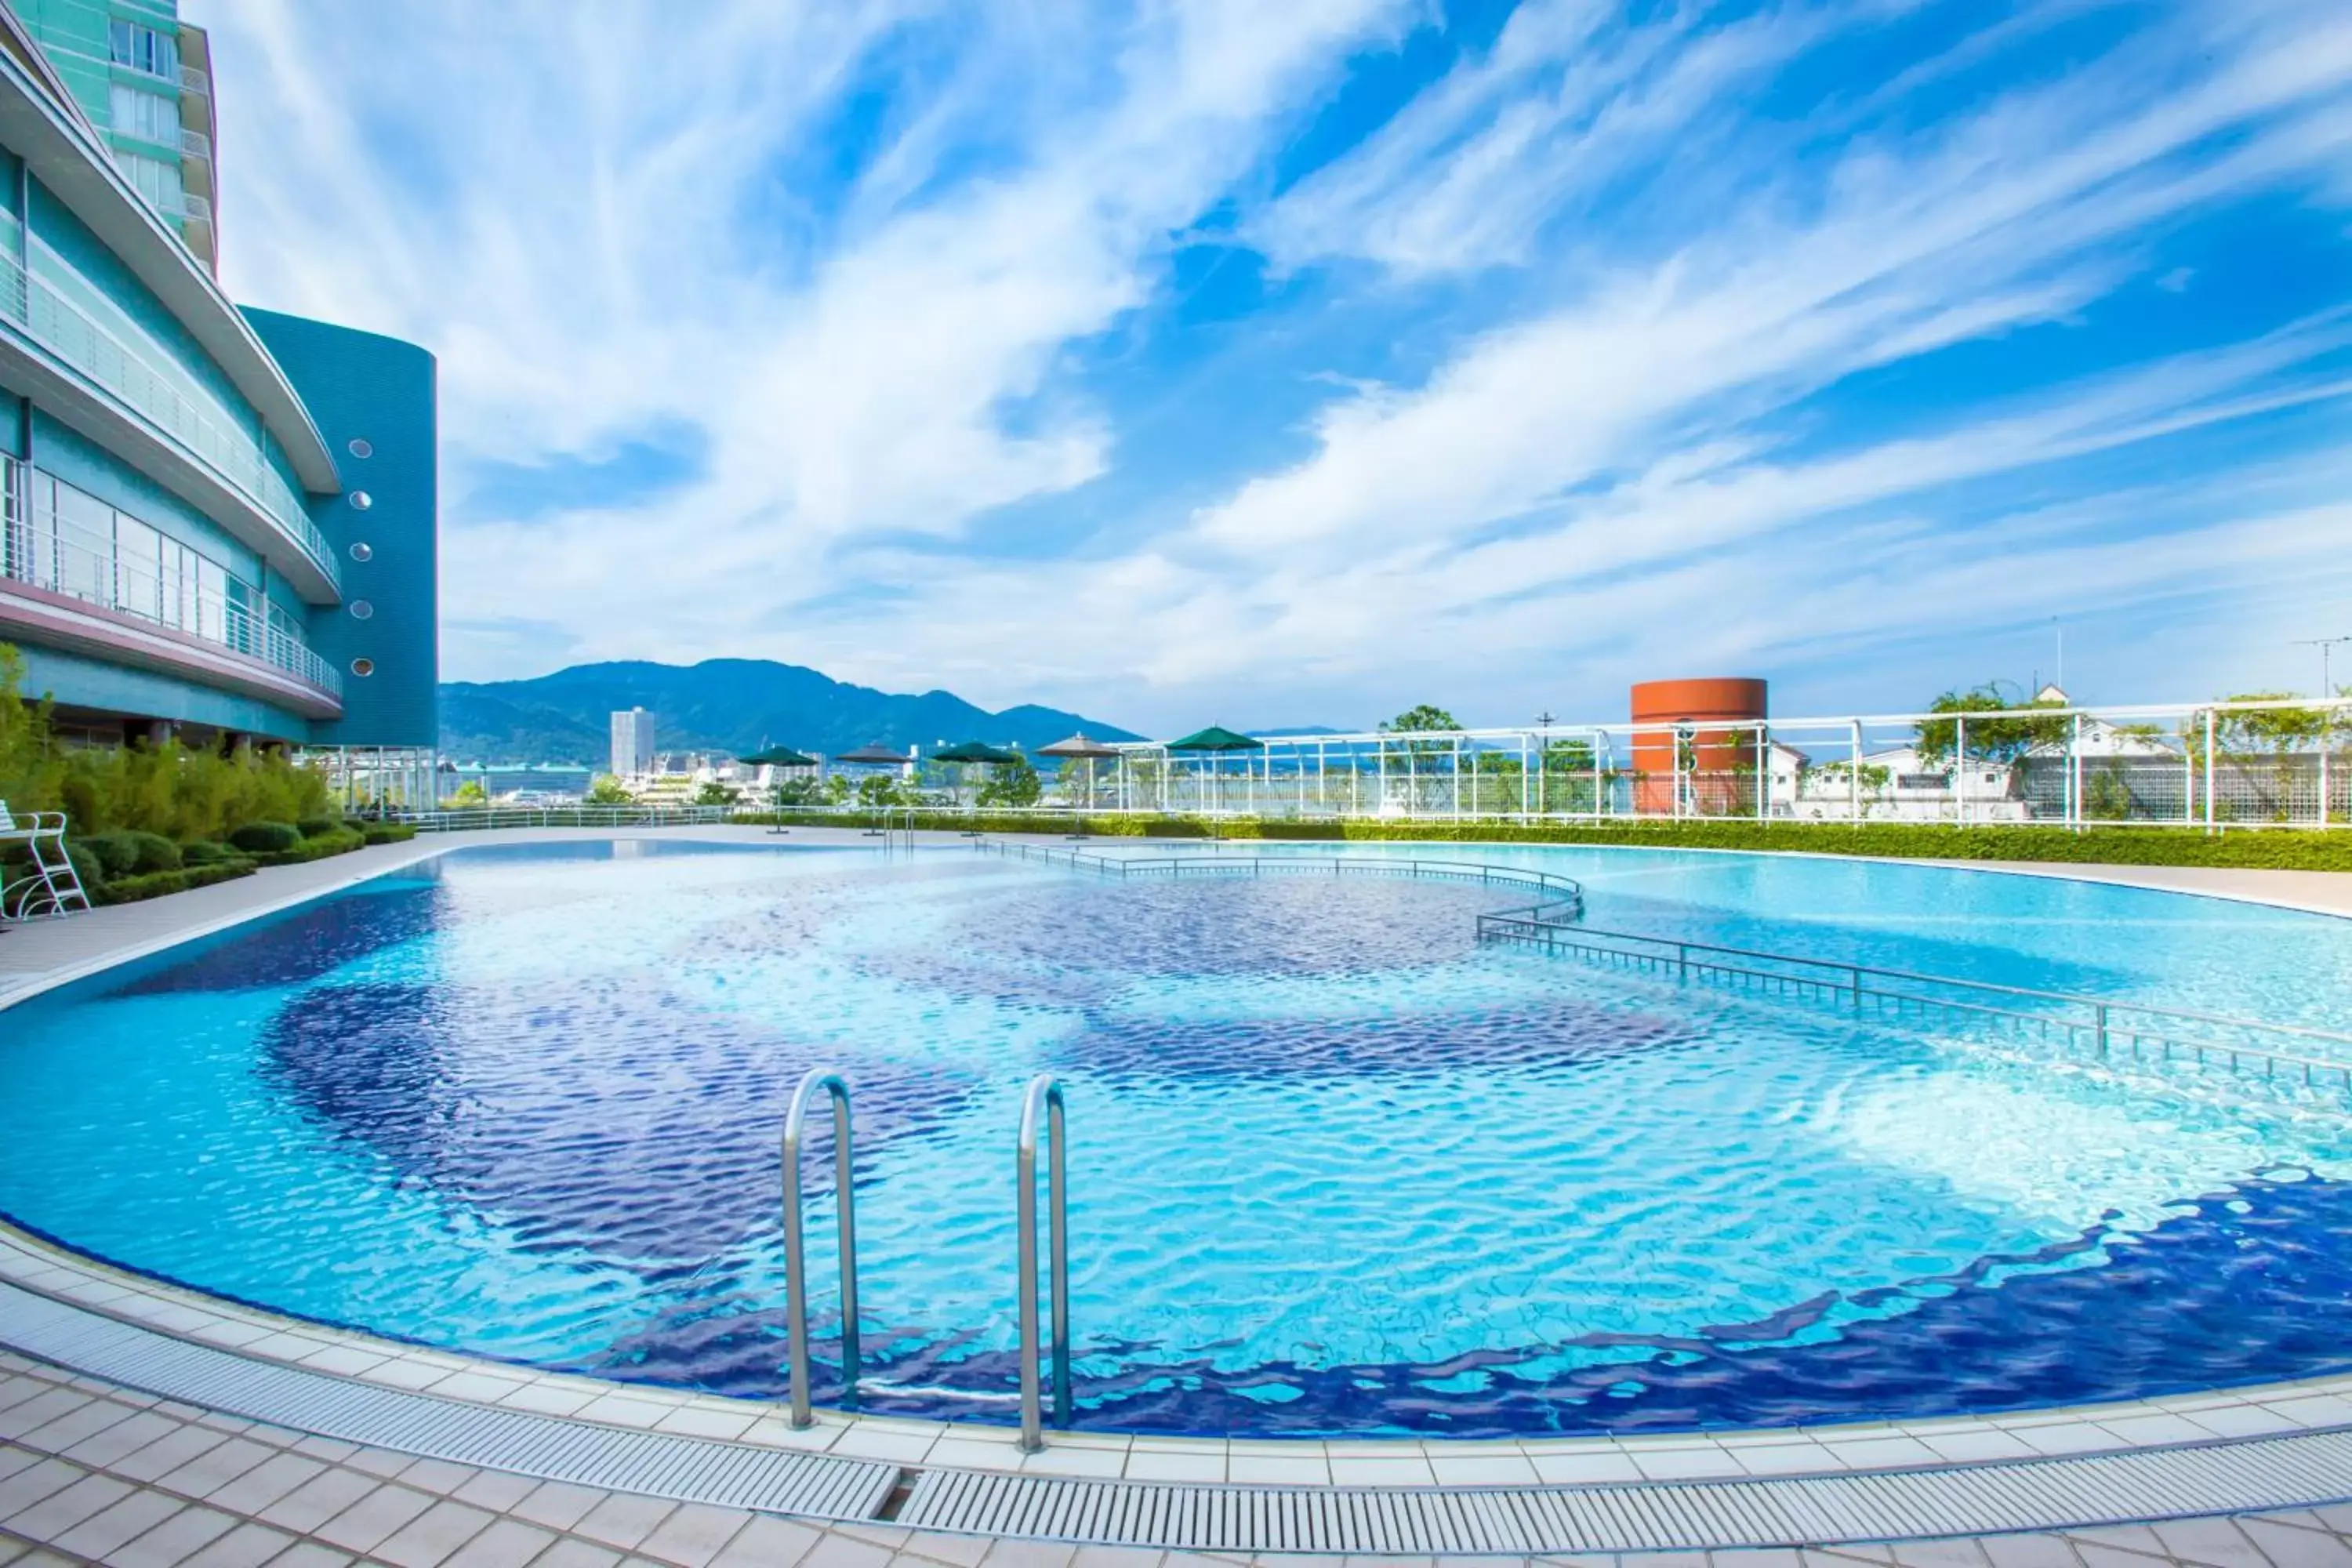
140,1424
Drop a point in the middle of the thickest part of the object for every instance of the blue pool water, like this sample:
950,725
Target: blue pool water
1334,1166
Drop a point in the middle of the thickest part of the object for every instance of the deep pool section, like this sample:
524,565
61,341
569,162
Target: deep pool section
1334,1166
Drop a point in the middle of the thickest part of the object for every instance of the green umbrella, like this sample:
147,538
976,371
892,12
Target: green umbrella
1216,740
777,757
970,752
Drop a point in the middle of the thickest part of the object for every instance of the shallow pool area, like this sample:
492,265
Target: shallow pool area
1335,1167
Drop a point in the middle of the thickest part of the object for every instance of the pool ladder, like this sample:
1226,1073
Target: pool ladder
1043,1103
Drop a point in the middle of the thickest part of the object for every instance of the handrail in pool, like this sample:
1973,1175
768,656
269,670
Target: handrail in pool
1043,1098
2103,1025
819,1080
1561,899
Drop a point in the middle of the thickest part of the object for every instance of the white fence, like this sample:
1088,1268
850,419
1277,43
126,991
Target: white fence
2282,763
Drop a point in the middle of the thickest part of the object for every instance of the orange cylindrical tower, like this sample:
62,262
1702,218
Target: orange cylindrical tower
1692,706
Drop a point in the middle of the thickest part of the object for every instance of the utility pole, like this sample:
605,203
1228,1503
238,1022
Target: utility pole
2325,646
1544,718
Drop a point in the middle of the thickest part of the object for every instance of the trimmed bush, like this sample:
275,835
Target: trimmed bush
387,832
313,827
204,852
155,884
155,852
267,837
117,854
335,841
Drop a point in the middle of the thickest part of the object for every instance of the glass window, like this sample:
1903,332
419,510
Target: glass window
150,116
157,181
137,567
211,600
145,50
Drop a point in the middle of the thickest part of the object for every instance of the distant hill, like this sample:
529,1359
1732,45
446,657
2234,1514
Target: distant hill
722,704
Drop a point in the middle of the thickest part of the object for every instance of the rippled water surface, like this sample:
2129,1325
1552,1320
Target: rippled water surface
1334,1166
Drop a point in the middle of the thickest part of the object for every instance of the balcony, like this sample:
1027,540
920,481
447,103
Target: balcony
195,145
184,604
195,81
61,328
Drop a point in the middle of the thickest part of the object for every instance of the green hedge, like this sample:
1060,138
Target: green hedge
387,832
267,837
2266,848
334,841
155,884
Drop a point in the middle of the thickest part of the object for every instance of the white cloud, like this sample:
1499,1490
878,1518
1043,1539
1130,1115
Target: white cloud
1625,465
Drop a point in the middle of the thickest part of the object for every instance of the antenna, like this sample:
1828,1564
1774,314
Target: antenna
2325,646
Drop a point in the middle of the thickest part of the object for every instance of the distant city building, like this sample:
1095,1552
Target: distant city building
633,744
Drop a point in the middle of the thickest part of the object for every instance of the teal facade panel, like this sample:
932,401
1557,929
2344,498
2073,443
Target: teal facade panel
73,681
379,393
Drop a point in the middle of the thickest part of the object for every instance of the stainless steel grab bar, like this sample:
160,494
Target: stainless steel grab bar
795,1253
1045,1094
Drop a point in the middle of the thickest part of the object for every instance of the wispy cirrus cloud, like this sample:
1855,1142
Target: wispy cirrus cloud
1753,335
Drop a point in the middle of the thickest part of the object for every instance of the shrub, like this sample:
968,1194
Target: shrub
206,852
335,841
117,853
155,852
266,837
155,884
388,832
313,826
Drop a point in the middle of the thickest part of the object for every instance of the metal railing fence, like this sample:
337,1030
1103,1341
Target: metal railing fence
469,818
1558,899
2106,1027
2266,763
63,328
52,554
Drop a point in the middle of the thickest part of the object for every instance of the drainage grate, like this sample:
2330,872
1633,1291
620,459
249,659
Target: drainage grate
2219,1476
692,1469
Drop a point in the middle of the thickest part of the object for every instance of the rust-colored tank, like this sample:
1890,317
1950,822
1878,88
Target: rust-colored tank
1717,755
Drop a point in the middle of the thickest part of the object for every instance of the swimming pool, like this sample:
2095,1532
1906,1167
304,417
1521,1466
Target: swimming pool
1335,1167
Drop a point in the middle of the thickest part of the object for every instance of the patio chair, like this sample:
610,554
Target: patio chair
50,886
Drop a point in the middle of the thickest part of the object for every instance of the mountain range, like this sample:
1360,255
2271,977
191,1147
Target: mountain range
734,705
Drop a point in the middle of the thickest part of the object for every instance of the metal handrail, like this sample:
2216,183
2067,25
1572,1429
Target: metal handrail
1044,1095
796,1257
1562,900
2105,1021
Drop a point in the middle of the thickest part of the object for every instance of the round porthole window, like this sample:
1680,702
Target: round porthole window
359,448
361,610
362,501
363,668
362,550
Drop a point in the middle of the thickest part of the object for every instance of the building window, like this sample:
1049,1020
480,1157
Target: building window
150,116
361,610
363,668
145,50
362,501
362,550
156,180
361,447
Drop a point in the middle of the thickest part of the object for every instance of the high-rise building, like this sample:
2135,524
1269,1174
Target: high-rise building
633,744
142,79
214,524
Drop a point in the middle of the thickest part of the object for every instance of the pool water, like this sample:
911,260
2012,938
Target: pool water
1334,1166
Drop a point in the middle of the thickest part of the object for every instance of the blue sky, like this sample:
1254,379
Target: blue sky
1295,364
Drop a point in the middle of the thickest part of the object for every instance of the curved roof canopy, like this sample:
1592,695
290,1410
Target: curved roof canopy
872,752
1080,745
778,757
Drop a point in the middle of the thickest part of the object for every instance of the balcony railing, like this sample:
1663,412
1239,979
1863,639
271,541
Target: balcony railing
195,81
194,144
60,326
63,560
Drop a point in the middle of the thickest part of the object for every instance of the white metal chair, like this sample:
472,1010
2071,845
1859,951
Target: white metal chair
51,886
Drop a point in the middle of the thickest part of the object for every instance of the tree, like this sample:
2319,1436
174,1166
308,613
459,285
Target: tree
1012,784
607,790
1988,734
717,793
468,796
